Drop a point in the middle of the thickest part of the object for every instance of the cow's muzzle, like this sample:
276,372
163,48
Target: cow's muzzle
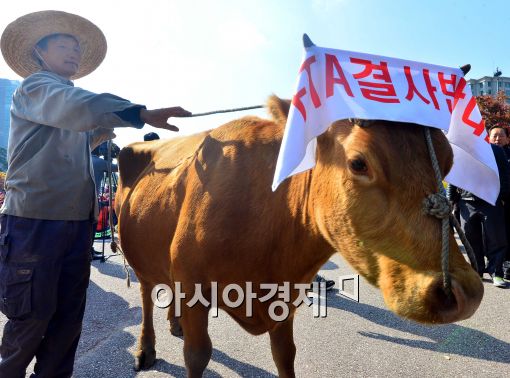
458,305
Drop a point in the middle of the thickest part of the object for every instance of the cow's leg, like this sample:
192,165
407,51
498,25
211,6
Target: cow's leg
283,347
146,353
175,325
197,344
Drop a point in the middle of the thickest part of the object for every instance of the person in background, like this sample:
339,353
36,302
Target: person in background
100,166
150,136
46,225
484,224
499,135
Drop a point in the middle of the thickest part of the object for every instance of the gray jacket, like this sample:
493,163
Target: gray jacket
54,125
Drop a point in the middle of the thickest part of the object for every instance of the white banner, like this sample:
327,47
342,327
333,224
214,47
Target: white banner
337,84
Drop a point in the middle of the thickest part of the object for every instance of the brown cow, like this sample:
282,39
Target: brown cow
206,202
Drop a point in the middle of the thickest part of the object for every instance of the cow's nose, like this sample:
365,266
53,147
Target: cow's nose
454,307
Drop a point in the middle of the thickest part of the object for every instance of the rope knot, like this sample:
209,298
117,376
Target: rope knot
437,205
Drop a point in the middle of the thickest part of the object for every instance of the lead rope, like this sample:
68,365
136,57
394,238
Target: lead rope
113,245
226,111
437,204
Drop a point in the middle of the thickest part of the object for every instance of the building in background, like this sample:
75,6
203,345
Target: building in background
7,88
491,85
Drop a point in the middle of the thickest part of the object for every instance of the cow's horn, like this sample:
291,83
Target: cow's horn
307,41
465,68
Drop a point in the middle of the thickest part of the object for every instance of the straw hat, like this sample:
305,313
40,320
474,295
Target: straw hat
20,37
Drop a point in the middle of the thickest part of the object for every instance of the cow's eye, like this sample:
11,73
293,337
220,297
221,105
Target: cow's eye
358,166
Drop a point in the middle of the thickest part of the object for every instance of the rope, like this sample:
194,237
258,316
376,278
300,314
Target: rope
113,245
226,111
437,205
467,246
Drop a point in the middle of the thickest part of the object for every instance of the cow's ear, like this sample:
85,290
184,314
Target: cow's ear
278,108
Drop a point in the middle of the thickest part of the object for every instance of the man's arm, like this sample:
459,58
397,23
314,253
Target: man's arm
44,99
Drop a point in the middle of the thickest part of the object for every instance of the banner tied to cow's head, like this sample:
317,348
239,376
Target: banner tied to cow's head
337,84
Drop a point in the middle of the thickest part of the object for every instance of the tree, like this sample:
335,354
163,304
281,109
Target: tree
495,111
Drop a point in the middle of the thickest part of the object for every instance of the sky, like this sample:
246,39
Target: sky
210,55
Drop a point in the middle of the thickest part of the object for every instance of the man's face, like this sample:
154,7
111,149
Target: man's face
61,56
498,136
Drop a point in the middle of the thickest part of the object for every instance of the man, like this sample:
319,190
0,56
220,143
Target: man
47,216
484,224
499,135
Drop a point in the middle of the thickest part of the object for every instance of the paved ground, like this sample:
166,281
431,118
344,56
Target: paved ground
355,339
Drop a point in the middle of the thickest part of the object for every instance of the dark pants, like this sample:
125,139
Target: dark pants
44,275
484,226
507,223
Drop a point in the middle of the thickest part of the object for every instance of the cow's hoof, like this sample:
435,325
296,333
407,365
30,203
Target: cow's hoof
144,359
176,330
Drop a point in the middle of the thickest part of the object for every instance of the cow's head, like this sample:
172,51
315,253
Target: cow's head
368,192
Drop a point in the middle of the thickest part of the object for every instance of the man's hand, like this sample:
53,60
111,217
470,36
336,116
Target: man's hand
159,117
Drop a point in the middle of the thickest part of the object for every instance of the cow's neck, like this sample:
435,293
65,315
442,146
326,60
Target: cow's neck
313,250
